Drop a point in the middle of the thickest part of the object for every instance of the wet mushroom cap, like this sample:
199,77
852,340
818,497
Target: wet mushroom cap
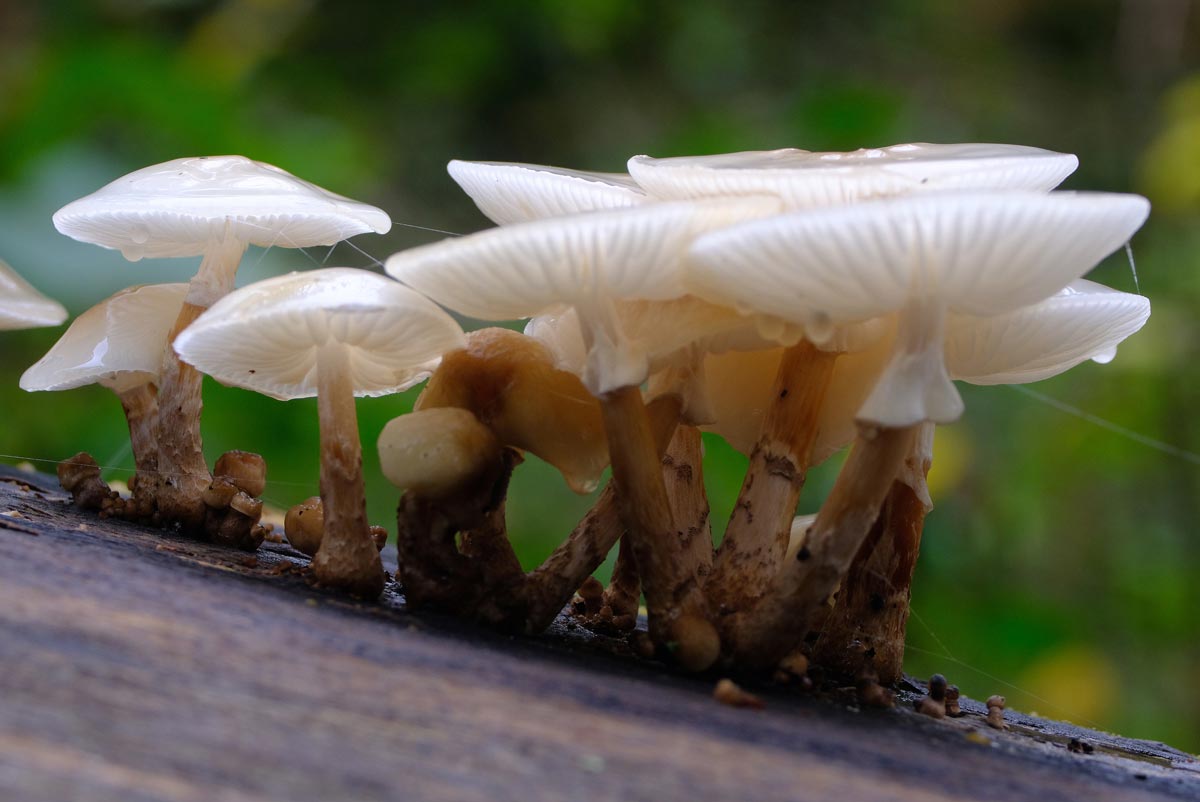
117,343
22,306
265,336
977,253
509,192
805,179
587,261
178,207
1084,320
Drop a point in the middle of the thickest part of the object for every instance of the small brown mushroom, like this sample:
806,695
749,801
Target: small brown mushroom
728,692
933,705
995,714
952,708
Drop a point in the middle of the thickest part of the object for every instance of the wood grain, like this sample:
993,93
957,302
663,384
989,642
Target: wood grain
136,665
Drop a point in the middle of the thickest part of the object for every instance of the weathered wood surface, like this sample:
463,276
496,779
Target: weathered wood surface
139,666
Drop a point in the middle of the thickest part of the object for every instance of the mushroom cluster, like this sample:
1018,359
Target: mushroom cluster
794,303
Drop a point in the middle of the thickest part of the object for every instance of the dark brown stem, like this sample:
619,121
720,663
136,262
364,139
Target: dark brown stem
347,558
873,603
764,635
757,536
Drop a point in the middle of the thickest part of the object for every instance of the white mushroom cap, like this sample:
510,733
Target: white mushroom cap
117,343
584,261
508,192
1085,320
265,336
179,207
22,306
972,253
805,179
978,253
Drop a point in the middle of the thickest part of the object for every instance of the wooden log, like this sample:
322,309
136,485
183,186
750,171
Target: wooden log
137,665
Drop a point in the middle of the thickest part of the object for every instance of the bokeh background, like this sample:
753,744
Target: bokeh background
1062,564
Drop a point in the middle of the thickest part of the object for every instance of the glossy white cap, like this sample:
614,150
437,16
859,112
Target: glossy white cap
265,336
179,207
117,343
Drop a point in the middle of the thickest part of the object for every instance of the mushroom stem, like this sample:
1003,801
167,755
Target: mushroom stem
757,536
549,586
141,413
183,473
677,614
683,474
624,589
765,634
347,558
872,605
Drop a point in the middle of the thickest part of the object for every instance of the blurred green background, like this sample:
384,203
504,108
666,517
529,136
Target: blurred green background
1062,564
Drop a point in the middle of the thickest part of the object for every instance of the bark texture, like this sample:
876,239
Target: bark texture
139,666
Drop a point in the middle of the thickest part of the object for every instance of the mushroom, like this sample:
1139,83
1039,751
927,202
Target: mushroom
22,306
750,551
676,335
588,262
118,344
921,256
1083,321
512,385
333,333
212,207
509,384
510,192
805,180
455,474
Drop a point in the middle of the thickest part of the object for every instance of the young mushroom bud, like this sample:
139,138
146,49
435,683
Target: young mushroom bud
995,714
512,385
304,524
933,705
439,453
952,707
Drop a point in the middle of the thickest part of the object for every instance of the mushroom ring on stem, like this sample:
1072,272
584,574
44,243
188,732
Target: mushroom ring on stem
590,261
213,207
334,333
